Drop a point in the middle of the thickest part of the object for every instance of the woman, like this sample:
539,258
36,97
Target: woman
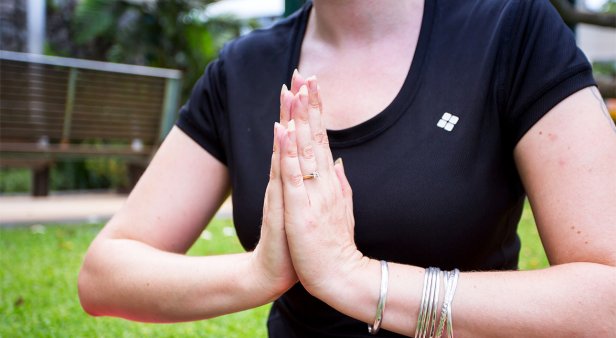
446,114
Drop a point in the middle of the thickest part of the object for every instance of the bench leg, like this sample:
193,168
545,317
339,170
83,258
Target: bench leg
40,181
135,171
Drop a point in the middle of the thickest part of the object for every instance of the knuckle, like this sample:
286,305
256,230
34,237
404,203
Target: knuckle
291,152
321,137
303,116
308,152
296,179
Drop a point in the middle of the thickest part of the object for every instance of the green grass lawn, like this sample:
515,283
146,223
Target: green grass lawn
38,285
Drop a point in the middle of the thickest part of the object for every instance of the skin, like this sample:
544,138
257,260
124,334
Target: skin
566,162
161,219
574,297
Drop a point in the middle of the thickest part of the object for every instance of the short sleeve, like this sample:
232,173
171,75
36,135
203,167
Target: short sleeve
543,66
202,118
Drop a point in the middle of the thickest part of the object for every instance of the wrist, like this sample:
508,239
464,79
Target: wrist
269,285
355,289
342,278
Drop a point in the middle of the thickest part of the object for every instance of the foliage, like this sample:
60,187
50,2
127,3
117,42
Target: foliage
609,6
167,34
38,284
14,180
92,173
604,68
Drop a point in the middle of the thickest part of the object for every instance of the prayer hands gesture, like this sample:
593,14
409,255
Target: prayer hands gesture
308,222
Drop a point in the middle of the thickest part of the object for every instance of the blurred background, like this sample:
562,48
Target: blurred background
183,35
88,90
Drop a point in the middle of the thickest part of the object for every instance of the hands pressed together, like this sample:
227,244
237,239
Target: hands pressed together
308,223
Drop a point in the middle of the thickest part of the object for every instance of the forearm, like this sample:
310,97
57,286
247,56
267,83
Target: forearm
129,279
577,299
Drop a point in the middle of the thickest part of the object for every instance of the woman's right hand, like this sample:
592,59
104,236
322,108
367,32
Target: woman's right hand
271,256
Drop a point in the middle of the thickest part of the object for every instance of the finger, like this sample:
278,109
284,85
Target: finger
285,105
274,205
316,104
347,192
322,151
294,192
345,187
297,81
305,149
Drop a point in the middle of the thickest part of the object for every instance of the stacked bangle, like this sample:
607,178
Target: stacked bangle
427,318
380,307
429,304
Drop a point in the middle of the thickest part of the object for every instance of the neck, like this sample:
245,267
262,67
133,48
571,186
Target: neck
339,21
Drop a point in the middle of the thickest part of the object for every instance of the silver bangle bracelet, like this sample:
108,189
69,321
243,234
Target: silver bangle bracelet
454,284
432,322
428,314
435,299
380,307
441,325
420,314
446,321
426,319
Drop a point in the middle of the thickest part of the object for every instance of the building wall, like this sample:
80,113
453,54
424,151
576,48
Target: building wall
598,43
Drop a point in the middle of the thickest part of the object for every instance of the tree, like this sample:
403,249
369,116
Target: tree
168,34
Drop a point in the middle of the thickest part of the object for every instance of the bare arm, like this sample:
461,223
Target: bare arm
136,269
568,164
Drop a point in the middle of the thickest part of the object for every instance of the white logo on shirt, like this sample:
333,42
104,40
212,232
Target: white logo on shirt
447,122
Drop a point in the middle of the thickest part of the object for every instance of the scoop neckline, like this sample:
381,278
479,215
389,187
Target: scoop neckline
377,124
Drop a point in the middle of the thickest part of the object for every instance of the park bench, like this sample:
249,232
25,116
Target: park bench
54,108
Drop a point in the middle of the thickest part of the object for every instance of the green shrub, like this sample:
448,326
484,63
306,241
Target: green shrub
15,180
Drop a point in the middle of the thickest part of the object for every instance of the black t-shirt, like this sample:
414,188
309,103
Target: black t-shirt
433,175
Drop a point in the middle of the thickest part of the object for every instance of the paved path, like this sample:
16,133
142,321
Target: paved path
73,208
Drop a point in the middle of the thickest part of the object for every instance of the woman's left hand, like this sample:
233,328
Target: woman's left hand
318,215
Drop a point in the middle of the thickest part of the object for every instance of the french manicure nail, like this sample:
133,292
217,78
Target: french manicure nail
291,125
303,90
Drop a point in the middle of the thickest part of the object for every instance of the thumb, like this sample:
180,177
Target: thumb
347,192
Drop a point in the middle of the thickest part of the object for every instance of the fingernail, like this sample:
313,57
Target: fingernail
295,73
339,161
291,125
282,90
303,91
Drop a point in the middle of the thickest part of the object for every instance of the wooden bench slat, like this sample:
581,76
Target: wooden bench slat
20,68
32,97
33,100
33,81
55,108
